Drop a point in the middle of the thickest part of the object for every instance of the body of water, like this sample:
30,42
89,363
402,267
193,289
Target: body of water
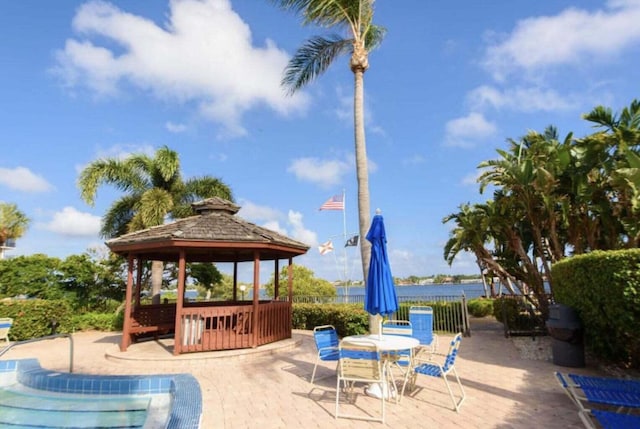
470,290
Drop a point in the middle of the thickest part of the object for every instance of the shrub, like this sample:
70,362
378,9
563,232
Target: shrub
604,288
480,307
349,319
32,318
97,322
518,315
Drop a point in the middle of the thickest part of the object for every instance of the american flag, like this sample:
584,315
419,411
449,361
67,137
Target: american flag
334,203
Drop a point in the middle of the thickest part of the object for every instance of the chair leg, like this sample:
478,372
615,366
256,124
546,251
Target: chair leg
313,374
456,404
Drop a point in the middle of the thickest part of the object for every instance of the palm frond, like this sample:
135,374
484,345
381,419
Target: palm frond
167,164
108,171
374,36
207,187
326,13
313,59
153,207
117,219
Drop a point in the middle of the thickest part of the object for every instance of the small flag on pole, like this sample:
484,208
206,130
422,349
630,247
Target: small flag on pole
334,203
353,241
325,247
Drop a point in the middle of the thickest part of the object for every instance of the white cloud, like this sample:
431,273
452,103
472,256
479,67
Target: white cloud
271,219
325,173
274,225
203,55
571,37
256,213
299,232
175,128
22,179
463,132
521,99
71,222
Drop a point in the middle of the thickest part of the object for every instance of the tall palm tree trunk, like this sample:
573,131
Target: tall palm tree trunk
157,268
362,174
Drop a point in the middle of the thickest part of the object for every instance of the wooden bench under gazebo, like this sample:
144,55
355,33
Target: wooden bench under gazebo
215,234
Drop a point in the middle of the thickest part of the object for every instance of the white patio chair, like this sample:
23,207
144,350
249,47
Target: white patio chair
359,363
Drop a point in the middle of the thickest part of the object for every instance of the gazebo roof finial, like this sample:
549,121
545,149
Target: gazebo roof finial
214,204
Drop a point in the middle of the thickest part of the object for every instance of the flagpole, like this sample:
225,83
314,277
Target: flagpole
344,229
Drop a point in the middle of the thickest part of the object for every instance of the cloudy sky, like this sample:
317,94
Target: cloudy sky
451,82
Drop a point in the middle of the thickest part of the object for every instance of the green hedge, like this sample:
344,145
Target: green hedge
604,288
32,317
480,307
349,319
108,322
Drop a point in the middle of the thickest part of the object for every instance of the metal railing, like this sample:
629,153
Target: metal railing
48,337
450,312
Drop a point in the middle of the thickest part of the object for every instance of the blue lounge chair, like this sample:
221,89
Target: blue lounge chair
609,420
327,343
586,391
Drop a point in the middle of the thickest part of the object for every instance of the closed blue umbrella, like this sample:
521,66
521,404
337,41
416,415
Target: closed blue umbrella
380,295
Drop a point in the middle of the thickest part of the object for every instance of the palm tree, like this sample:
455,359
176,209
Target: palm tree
13,224
355,19
154,191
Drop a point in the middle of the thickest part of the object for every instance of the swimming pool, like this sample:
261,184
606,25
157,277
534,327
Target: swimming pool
33,397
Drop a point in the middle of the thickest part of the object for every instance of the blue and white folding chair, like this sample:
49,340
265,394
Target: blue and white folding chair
433,369
401,359
327,342
421,318
360,362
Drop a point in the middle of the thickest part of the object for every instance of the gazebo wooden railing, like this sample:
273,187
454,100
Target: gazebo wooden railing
212,326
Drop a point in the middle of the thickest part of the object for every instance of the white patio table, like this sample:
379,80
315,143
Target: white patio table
385,343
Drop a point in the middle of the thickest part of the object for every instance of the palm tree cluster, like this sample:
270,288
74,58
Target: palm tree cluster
554,198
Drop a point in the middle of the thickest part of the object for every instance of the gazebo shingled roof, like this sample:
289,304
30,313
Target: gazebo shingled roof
214,234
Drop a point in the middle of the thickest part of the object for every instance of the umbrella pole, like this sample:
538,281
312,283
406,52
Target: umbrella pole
375,323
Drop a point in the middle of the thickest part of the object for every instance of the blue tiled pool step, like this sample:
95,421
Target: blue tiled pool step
14,399
94,391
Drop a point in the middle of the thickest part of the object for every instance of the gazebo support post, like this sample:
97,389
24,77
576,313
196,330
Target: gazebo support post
290,281
276,280
126,326
177,337
235,281
256,293
138,280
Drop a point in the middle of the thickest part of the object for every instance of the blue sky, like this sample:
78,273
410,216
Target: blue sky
451,82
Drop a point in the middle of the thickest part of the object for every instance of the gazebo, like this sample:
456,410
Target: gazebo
213,234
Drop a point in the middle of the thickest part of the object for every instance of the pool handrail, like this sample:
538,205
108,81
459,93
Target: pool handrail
48,337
